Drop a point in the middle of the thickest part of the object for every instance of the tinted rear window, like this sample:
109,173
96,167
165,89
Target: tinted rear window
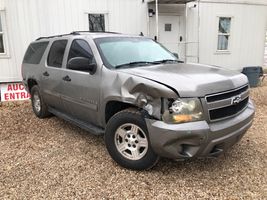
56,53
35,53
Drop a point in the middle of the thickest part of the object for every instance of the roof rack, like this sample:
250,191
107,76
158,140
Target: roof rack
72,33
78,32
75,33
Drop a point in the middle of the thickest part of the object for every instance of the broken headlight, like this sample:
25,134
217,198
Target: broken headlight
182,110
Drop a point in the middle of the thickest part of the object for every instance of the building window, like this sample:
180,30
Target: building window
96,22
2,36
224,33
168,27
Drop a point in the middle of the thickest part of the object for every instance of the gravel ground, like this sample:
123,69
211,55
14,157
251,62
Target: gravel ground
52,159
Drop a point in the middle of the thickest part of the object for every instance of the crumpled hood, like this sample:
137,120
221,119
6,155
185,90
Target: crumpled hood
191,80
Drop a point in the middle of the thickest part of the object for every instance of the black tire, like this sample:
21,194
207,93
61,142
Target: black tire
43,111
124,118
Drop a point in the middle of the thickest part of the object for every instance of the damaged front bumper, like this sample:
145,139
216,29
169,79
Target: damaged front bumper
198,139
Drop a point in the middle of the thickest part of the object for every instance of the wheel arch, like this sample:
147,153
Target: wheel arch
30,83
114,106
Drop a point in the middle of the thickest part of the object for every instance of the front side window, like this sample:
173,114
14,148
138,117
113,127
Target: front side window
224,33
96,22
35,53
80,48
116,51
56,53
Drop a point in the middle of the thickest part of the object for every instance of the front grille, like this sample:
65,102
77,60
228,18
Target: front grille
227,104
228,111
218,97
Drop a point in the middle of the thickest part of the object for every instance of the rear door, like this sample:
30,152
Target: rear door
81,89
51,81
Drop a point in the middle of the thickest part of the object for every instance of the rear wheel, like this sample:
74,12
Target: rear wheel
127,141
38,105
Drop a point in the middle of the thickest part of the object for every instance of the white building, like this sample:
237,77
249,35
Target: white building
228,33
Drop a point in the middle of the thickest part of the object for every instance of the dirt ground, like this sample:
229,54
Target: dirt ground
52,159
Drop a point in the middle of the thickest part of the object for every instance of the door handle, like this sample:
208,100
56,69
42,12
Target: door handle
66,78
46,73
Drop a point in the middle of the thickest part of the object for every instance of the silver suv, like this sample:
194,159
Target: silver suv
144,100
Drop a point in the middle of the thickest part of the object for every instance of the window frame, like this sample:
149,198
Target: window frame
4,32
229,34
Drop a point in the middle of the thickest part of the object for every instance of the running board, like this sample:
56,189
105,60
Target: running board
86,126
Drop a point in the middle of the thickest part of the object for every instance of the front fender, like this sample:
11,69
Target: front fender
130,89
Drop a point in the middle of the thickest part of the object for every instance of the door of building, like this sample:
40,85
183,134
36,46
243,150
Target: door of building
171,34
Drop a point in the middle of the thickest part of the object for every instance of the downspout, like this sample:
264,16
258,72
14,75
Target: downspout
198,35
186,31
148,21
157,20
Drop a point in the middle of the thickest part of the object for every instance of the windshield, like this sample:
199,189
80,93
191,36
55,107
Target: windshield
132,51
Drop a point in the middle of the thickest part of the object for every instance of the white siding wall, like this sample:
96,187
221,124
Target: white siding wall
30,19
247,38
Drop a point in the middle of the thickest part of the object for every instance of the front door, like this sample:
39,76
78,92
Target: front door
171,34
80,93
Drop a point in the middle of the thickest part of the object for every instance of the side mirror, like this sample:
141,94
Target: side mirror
176,55
82,64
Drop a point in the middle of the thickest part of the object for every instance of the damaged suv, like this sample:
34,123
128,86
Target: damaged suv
145,102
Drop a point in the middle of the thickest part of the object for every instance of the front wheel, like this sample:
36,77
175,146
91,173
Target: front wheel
127,141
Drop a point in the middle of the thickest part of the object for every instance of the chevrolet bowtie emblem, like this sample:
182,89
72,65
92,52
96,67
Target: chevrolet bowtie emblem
236,100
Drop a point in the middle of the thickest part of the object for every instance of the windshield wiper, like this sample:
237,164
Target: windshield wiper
142,63
133,64
166,61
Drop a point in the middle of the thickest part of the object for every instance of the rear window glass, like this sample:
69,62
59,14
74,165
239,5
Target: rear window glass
35,53
56,53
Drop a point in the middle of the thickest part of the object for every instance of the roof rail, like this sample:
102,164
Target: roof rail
75,33
72,33
78,32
